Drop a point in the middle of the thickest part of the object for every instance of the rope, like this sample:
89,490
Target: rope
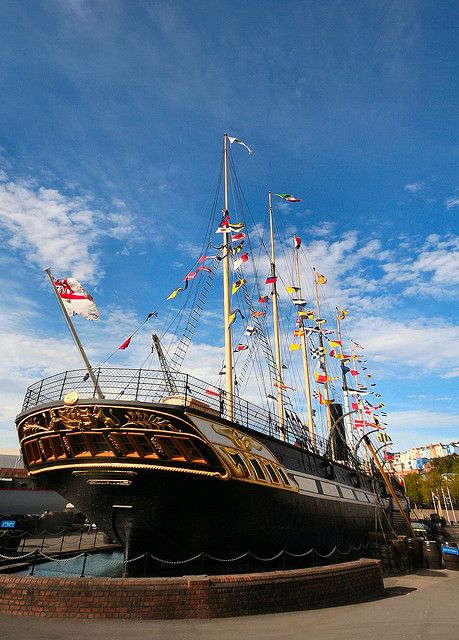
36,553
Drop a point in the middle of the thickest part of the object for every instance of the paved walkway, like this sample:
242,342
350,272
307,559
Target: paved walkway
418,606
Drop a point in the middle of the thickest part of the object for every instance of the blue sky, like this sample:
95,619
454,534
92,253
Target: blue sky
110,135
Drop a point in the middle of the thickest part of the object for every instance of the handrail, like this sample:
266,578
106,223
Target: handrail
149,386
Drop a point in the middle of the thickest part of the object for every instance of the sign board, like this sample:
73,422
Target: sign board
452,551
7,524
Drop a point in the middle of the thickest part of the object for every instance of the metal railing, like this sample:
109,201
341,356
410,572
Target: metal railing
149,386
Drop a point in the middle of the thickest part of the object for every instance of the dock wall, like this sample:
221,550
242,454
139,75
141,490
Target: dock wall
191,596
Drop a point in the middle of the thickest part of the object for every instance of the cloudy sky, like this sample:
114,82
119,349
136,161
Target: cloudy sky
112,115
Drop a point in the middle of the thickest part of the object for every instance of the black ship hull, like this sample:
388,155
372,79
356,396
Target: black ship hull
175,519
176,480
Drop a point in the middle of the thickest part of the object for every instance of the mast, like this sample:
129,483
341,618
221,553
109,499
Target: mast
323,364
227,298
347,411
304,354
277,352
75,337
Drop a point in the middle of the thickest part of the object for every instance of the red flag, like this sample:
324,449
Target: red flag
271,280
211,392
263,299
125,344
241,347
354,406
359,424
296,241
238,236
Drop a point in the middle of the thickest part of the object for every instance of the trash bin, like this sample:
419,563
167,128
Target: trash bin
432,554
416,552
9,541
450,555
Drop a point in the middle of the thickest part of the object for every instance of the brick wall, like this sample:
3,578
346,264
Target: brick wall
192,596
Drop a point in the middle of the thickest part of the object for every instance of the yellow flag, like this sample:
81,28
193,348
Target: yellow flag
237,285
174,293
294,347
291,289
321,279
343,314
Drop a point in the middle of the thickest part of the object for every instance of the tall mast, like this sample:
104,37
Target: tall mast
227,298
277,353
304,354
75,337
322,361
347,419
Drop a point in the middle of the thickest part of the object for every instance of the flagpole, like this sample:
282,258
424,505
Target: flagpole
348,422
304,354
323,366
451,505
74,335
277,352
446,505
229,406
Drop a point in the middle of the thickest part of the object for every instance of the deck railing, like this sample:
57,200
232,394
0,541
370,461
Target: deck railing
150,386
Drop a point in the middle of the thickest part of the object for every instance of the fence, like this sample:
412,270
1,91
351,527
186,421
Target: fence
151,386
149,564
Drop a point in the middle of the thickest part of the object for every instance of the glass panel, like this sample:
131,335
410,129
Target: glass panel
284,477
258,470
170,448
191,450
78,444
98,443
58,447
272,473
240,461
124,443
144,446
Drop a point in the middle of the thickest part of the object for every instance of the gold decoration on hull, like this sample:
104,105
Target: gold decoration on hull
240,440
71,397
121,465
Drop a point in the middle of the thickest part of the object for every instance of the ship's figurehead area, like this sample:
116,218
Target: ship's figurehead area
116,437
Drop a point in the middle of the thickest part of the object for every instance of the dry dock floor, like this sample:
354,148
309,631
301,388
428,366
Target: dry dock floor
417,606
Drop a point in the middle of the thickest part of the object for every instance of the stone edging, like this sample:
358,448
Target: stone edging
191,596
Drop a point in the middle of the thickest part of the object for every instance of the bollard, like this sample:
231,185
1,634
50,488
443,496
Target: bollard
84,564
81,538
62,542
43,541
35,556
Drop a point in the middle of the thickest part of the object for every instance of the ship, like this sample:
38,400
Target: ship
170,465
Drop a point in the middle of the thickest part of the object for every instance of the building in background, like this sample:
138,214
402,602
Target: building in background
20,494
415,460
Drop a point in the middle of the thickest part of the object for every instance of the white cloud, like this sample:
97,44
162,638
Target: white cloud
414,187
404,344
48,228
452,202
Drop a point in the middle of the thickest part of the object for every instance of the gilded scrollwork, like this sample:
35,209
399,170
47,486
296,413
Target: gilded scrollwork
87,418
236,470
31,426
147,420
240,440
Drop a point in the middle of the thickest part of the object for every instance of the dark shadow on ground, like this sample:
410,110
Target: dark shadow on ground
391,592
